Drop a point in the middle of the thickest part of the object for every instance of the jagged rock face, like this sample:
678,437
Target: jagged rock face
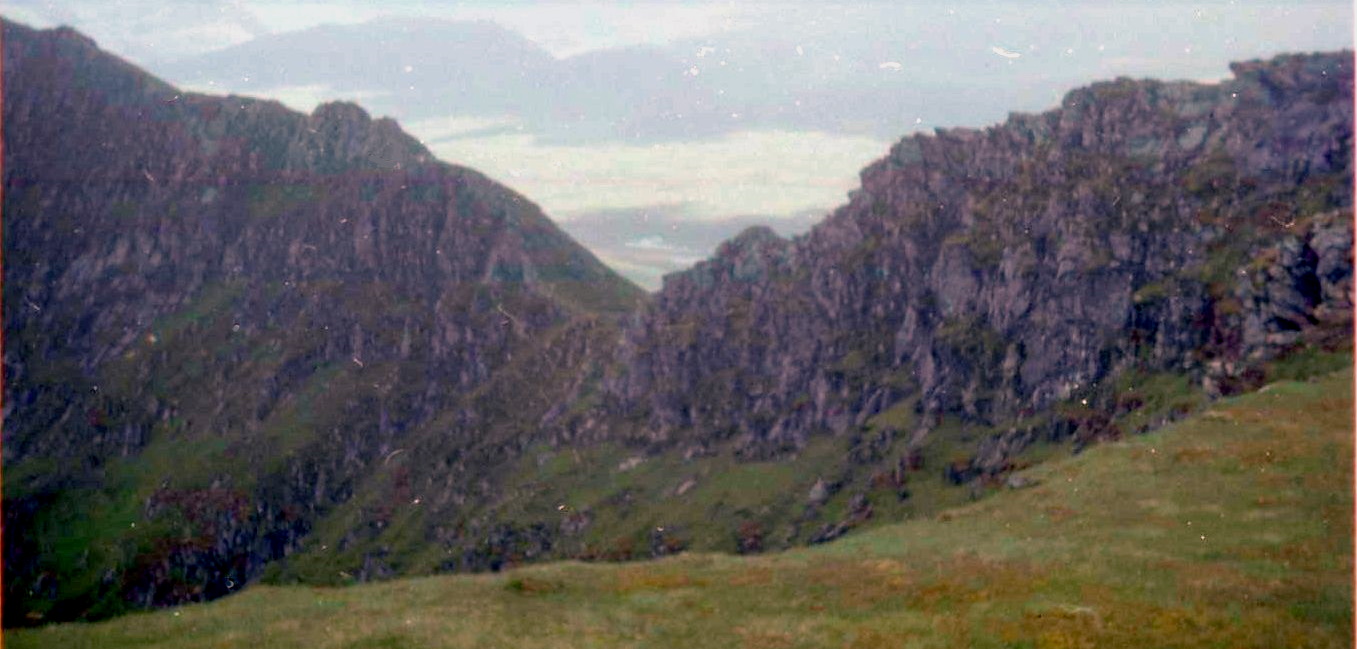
264,302
989,273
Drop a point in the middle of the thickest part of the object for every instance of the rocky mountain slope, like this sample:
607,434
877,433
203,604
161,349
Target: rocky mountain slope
1097,553
246,344
986,299
992,273
221,317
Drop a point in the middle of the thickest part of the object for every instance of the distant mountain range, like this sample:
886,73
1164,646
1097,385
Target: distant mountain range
245,344
870,70
419,69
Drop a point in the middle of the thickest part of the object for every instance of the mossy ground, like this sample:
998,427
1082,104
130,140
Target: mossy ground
1229,529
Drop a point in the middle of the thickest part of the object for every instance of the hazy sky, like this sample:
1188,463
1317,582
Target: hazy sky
676,123
149,31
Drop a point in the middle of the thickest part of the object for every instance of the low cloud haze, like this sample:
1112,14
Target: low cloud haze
601,113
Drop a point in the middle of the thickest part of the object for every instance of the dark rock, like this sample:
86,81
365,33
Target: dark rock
262,298
993,272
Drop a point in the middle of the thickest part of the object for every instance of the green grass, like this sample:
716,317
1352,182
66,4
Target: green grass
1308,362
1159,394
723,493
1228,529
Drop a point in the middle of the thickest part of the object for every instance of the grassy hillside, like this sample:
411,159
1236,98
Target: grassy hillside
1230,529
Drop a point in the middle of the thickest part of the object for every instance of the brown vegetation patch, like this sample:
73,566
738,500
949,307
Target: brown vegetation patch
869,639
532,586
1305,554
1256,457
640,578
861,584
1059,514
1111,622
763,639
1193,455
1212,581
752,577
969,579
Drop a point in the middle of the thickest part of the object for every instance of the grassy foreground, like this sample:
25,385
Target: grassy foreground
1230,529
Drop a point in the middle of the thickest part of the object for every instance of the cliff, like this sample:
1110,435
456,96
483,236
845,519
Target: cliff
992,273
221,315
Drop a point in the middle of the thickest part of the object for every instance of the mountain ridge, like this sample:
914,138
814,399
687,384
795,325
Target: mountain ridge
964,233
271,346
212,279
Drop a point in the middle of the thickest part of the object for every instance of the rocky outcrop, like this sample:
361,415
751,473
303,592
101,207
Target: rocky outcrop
991,273
1296,292
224,317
